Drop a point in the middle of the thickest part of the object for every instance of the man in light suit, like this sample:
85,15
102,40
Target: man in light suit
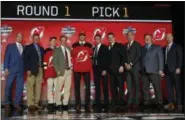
13,65
152,70
62,65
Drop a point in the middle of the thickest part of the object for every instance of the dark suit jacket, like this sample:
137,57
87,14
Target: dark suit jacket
116,57
133,55
174,57
153,59
31,58
102,57
13,61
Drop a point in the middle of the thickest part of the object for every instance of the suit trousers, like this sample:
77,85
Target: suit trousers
173,82
33,87
51,85
19,87
117,90
65,83
77,78
155,79
98,79
132,81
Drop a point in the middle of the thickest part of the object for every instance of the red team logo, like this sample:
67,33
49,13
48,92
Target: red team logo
37,30
159,34
101,31
82,56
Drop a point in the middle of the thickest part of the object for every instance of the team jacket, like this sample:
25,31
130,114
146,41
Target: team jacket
81,57
49,71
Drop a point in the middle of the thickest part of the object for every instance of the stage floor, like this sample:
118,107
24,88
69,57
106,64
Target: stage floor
42,115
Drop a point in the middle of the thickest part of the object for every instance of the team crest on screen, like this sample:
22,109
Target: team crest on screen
68,31
37,30
5,32
159,34
82,56
125,30
101,31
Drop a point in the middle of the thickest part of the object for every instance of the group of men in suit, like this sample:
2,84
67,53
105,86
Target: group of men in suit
132,60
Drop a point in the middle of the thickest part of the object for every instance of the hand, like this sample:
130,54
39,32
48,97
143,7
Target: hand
121,69
161,73
127,66
178,71
28,73
103,73
6,72
58,72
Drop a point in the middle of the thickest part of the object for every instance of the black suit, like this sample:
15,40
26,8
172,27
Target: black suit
133,56
116,58
31,58
173,61
100,63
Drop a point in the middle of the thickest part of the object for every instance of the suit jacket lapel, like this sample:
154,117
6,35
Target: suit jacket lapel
16,49
171,48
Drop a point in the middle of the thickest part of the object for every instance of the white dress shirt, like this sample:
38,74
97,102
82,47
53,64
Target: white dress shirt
168,47
20,48
68,54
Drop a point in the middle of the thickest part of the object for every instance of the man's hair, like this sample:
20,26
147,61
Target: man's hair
130,31
63,36
97,35
35,35
19,33
147,34
52,38
110,33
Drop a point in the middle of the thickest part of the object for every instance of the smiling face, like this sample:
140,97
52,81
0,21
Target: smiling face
169,38
19,37
36,38
53,42
97,40
111,38
148,39
130,36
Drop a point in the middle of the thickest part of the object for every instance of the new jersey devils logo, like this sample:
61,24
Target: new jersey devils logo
82,56
159,34
37,30
101,31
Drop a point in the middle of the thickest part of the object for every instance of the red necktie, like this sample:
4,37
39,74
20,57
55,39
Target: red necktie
66,60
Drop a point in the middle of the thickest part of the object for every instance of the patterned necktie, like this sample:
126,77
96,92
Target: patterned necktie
39,54
66,60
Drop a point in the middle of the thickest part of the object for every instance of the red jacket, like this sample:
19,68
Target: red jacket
49,71
81,57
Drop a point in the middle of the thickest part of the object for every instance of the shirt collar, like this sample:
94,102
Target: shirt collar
170,44
131,42
99,45
82,42
113,43
18,43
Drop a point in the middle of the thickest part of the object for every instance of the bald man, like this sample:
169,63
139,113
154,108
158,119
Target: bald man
13,65
173,66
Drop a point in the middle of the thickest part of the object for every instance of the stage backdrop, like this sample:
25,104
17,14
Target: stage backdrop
56,18
72,29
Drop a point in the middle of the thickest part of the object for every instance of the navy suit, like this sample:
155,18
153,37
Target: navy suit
174,60
14,63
